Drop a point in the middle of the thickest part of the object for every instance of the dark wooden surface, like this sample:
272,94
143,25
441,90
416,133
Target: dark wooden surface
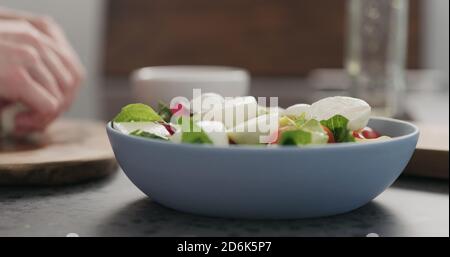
431,156
70,151
270,37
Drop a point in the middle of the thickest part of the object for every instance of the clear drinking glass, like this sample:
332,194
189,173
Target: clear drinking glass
376,53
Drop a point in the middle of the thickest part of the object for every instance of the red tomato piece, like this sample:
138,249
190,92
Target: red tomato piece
169,128
277,139
366,133
369,133
357,134
330,135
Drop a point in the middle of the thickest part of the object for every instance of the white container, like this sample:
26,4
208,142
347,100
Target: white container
163,83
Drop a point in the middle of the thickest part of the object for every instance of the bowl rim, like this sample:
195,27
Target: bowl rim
208,147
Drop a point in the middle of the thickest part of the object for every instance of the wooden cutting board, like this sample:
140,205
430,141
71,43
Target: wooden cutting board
70,151
431,158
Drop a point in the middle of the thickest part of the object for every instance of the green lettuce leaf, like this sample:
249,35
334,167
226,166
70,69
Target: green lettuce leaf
318,134
312,125
295,137
285,121
141,133
192,133
300,120
338,126
137,112
311,132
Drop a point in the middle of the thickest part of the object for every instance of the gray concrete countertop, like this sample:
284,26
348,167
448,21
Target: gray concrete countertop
114,207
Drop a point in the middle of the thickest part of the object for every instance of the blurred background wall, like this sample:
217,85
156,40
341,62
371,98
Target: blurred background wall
84,22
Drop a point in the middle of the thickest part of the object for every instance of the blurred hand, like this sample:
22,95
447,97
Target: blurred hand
38,68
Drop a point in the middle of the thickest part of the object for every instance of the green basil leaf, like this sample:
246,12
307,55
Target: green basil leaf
164,111
338,126
193,134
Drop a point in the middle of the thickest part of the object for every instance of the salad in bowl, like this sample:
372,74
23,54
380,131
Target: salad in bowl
218,121
233,157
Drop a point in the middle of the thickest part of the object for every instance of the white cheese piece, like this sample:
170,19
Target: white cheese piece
298,110
151,127
215,131
255,131
355,110
233,111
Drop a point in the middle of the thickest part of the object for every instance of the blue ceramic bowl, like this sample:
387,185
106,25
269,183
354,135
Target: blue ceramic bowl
257,182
